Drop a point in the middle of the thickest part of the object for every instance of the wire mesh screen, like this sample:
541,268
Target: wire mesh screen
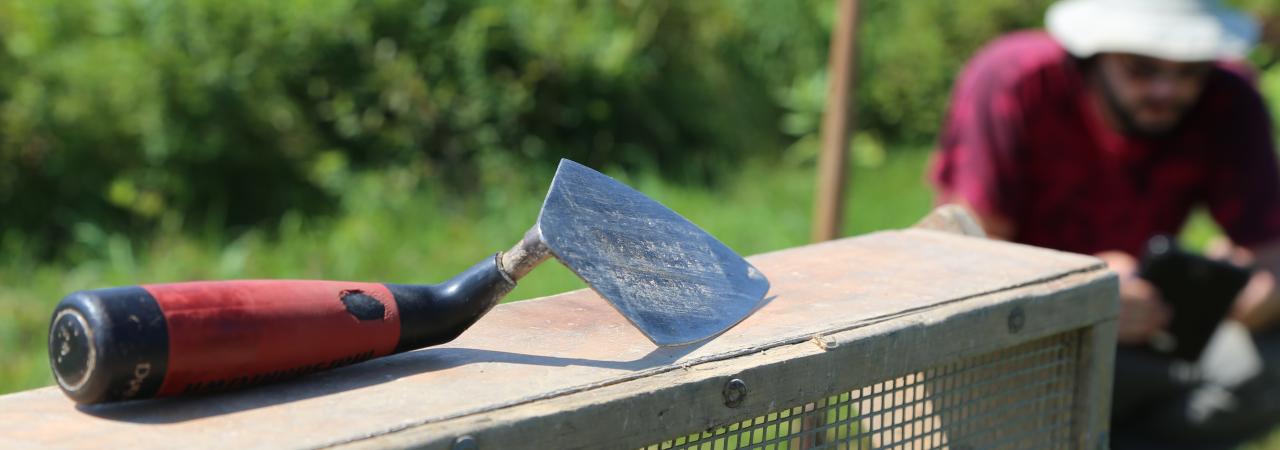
1019,397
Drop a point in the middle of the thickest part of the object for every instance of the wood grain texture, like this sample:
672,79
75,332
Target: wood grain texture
651,409
896,299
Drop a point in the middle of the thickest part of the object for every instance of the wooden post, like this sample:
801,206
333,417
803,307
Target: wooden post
836,124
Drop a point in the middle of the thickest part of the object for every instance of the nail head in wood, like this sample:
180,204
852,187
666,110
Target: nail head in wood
735,391
1017,319
466,443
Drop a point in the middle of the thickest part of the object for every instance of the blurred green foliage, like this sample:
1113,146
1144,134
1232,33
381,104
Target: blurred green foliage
128,115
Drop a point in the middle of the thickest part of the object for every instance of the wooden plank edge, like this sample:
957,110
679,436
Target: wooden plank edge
689,398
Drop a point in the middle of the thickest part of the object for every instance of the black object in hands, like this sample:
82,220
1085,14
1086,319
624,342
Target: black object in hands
1200,291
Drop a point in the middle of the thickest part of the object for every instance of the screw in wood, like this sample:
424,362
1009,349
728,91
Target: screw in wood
735,391
466,443
1017,319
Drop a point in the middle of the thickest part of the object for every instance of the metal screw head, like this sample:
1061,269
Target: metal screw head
466,443
1017,319
735,391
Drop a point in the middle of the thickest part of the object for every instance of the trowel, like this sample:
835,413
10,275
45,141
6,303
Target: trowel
677,284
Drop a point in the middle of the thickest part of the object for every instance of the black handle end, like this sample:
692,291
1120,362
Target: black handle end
108,344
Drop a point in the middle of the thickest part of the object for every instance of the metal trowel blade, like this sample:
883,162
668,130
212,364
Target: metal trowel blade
672,280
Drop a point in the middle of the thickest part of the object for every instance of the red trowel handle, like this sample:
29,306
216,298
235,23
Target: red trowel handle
166,339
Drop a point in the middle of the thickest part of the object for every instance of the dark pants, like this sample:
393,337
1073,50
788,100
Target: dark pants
1230,396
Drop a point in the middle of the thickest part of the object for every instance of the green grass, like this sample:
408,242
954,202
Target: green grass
832,420
395,228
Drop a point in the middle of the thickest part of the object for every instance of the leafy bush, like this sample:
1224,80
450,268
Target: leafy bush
120,114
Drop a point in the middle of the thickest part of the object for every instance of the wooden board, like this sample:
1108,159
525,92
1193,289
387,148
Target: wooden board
526,352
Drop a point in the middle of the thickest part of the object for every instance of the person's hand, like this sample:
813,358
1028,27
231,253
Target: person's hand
1142,312
1255,307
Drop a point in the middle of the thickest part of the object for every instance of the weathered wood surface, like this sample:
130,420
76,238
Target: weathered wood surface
545,354
657,408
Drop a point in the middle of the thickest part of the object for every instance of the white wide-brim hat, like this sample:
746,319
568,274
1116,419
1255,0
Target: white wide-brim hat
1176,30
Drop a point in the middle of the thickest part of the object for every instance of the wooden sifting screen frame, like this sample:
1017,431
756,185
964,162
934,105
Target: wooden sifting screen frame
691,400
893,309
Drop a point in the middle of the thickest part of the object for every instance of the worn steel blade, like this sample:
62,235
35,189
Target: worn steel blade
672,280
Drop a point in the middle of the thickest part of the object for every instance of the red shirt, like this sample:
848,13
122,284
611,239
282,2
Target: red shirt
1022,141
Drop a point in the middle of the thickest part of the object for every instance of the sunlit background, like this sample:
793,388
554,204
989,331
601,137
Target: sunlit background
402,141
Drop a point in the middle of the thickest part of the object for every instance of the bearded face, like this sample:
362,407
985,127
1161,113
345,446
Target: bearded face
1150,96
